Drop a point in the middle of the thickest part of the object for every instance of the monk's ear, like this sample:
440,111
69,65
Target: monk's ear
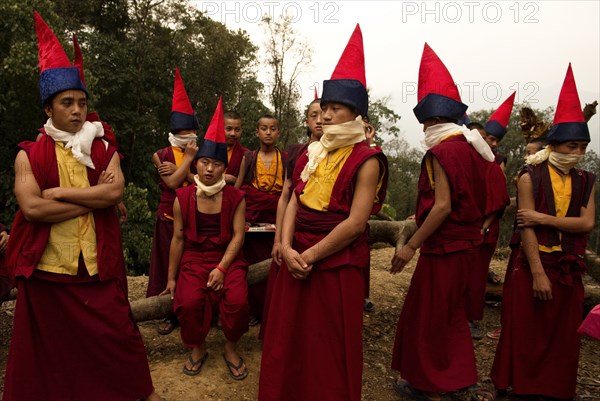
48,110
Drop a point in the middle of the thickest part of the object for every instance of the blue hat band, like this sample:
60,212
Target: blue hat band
494,128
180,121
214,150
434,105
350,92
56,80
563,132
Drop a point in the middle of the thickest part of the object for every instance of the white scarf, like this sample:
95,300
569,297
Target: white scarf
334,137
80,142
181,141
563,162
209,190
435,133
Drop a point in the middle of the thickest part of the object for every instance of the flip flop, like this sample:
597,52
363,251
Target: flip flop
192,372
404,389
230,365
484,391
170,325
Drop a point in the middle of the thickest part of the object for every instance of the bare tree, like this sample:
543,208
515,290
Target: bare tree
287,54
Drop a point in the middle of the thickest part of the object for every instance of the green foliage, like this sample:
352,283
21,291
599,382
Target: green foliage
137,231
404,165
389,210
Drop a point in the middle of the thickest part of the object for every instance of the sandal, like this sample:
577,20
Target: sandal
253,321
484,391
476,332
166,326
237,367
199,362
494,334
404,389
493,278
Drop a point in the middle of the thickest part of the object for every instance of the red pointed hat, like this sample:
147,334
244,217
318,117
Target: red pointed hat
437,94
569,123
498,121
351,64
348,83
78,58
56,72
182,113
316,93
214,145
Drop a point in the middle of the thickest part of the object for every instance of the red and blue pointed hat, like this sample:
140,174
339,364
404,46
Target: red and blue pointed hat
437,95
56,72
214,145
348,84
498,122
182,113
569,123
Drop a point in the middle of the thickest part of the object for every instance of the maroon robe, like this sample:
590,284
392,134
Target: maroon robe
538,352
313,346
163,232
206,241
476,287
295,153
237,154
433,349
81,327
261,207
5,284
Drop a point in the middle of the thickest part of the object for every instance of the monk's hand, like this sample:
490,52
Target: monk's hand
3,241
106,177
190,150
167,168
542,287
529,218
401,258
215,279
170,289
122,210
230,179
51,193
276,253
297,267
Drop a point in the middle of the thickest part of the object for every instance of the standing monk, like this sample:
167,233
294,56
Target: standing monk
175,169
313,346
459,186
235,150
542,306
72,313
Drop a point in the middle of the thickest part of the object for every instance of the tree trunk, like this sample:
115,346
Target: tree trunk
395,233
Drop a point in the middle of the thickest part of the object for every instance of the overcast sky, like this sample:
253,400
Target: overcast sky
489,47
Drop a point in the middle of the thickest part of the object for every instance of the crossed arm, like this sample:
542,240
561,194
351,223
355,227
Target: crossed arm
58,204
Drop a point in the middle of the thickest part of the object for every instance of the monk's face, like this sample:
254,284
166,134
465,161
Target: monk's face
68,110
571,147
314,120
267,131
532,148
233,131
337,113
492,141
210,170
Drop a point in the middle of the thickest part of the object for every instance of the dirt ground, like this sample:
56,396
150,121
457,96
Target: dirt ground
167,355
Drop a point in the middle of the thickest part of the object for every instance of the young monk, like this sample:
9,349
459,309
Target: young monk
296,162
262,174
206,267
72,313
313,345
235,150
459,187
175,169
544,296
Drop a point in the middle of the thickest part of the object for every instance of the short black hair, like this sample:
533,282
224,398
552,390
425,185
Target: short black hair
475,125
268,117
232,115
